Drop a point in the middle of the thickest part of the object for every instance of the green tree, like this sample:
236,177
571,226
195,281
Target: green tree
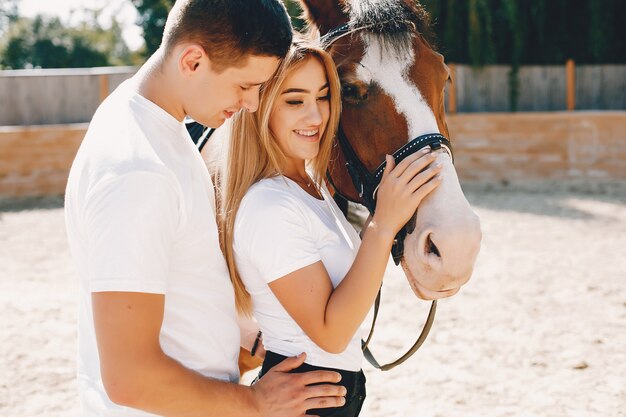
108,41
600,34
152,17
295,12
44,42
8,13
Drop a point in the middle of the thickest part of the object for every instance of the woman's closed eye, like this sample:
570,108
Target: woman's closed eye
300,102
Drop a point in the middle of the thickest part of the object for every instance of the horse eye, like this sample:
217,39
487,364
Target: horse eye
353,94
349,91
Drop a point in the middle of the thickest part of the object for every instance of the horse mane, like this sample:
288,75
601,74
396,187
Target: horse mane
393,22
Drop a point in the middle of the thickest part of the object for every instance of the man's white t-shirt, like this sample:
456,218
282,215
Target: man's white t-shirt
140,217
279,229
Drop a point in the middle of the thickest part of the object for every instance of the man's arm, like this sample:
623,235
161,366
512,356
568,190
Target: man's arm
136,373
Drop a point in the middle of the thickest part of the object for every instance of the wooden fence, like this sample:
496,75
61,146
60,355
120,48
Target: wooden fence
40,97
541,88
56,96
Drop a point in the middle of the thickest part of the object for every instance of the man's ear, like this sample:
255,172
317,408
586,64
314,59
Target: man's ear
191,58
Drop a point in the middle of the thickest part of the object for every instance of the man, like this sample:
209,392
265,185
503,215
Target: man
157,323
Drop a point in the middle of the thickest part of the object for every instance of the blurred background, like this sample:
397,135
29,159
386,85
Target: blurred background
556,63
537,112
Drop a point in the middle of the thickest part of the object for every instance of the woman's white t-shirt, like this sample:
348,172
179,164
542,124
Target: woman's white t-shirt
279,229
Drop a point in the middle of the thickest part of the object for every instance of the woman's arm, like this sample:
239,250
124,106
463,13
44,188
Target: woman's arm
330,317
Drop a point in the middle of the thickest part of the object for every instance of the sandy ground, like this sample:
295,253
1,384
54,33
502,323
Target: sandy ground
540,330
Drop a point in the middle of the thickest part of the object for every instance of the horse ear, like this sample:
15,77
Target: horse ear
324,14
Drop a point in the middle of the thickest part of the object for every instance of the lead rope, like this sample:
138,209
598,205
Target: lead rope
367,353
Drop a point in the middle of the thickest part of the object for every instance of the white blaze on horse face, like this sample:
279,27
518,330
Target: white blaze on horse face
390,72
445,219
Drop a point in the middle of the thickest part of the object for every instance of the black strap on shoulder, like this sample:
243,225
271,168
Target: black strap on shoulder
199,133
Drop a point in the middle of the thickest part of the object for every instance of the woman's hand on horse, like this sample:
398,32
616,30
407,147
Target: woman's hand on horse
403,188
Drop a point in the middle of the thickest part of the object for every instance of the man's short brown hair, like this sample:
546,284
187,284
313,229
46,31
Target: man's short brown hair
230,30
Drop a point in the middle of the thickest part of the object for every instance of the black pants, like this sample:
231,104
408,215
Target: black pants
353,381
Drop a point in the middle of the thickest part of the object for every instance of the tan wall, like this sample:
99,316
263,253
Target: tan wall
489,148
537,146
35,160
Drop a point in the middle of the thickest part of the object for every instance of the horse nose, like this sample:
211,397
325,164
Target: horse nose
429,249
447,248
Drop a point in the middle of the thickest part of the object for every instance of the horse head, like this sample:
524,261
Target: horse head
392,92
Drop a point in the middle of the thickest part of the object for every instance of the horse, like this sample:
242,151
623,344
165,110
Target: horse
393,85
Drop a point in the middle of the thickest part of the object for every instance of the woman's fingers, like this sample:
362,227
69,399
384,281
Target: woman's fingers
404,164
391,164
420,178
403,187
419,165
424,184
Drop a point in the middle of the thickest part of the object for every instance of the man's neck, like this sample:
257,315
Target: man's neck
159,84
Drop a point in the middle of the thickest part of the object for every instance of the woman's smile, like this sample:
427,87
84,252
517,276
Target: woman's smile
310,135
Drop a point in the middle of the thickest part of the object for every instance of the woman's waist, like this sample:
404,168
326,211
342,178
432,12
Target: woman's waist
354,382
349,378
349,360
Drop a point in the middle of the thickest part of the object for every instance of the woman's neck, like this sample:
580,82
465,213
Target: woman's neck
296,170
297,173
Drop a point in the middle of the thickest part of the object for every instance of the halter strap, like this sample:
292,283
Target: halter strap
434,140
367,183
335,34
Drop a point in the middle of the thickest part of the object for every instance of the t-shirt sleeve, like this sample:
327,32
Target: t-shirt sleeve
274,234
130,223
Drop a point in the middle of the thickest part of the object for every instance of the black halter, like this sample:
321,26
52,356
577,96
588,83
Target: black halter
366,183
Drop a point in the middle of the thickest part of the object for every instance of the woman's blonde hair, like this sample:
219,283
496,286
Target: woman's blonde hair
254,153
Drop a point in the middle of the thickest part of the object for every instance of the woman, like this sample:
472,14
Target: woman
295,261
